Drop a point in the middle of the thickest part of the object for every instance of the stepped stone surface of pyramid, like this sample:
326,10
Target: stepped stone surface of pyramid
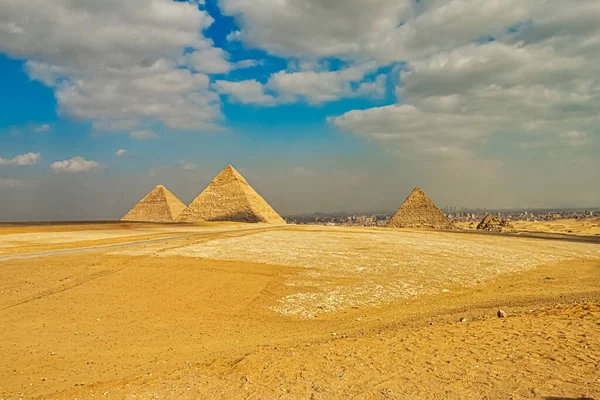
418,211
492,224
160,205
230,198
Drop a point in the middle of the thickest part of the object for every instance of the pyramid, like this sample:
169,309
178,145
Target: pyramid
492,224
159,205
418,211
230,198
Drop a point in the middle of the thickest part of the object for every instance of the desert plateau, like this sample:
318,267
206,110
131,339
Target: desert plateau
229,310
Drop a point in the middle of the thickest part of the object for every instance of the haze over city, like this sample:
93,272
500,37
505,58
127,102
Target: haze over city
323,106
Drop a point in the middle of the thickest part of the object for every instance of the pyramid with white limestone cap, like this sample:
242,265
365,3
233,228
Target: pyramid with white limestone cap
160,205
230,198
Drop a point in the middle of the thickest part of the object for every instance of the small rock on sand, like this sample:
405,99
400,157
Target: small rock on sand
501,314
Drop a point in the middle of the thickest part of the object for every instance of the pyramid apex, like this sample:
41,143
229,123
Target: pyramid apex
231,168
228,174
417,192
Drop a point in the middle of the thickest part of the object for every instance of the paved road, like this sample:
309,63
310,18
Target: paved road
126,244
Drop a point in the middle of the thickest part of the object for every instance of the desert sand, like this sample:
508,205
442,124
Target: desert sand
296,312
581,227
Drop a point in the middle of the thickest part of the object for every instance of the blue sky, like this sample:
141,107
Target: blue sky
323,106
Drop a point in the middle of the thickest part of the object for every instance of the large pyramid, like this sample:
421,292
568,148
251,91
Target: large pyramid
159,205
418,211
230,198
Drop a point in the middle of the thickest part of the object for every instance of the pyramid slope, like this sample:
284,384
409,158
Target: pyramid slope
160,205
230,198
418,211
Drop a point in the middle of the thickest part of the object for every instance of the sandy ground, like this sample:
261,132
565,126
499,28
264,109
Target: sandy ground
256,315
583,227
30,239
589,226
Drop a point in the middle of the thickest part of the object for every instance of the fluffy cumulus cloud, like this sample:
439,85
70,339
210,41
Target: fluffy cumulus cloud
309,83
465,69
118,63
245,92
73,165
322,86
387,30
121,153
473,79
531,78
22,159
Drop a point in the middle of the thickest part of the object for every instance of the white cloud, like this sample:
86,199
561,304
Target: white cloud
187,166
177,97
387,30
121,153
73,165
113,62
535,86
308,82
42,128
311,27
249,63
245,92
143,135
318,87
467,70
22,159
208,59
373,89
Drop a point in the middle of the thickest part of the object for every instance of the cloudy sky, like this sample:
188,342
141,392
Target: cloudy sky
323,105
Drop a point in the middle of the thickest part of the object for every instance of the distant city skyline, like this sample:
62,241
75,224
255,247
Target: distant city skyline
483,104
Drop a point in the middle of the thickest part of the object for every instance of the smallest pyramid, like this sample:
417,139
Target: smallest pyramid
160,205
492,224
418,211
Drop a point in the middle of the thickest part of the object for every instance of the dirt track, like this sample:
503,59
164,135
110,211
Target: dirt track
154,323
123,244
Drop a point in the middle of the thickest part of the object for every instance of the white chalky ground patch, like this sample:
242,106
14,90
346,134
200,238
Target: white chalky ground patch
378,267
